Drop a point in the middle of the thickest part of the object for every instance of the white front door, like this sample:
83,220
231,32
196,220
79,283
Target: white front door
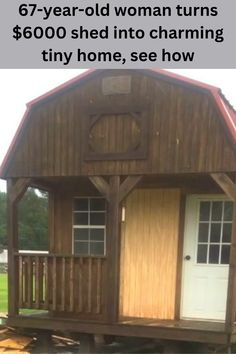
207,237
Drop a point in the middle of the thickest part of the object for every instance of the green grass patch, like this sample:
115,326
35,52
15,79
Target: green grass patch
3,293
3,299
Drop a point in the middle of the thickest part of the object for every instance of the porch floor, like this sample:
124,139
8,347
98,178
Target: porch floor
185,330
182,324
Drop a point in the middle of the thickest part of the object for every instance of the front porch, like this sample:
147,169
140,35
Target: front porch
177,330
81,293
63,284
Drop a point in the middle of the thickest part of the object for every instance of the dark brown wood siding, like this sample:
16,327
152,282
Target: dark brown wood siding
185,132
61,235
63,206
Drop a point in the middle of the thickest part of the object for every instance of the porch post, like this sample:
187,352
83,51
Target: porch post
229,187
114,192
12,221
14,192
113,249
231,296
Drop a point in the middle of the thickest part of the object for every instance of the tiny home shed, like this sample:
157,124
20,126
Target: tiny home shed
140,166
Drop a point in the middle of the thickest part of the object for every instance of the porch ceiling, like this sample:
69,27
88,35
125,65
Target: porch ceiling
189,183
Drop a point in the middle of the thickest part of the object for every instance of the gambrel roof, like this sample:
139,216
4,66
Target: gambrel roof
225,110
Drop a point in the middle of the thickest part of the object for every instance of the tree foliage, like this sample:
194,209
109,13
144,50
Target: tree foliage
3,220
32,221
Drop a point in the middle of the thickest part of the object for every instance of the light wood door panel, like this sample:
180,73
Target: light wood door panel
149,254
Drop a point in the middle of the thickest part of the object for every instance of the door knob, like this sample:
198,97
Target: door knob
187,258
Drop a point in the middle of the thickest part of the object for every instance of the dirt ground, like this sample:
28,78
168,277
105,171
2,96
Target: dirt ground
14,341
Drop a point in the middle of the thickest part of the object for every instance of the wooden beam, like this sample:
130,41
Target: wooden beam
231,295
128,185
180,256
114,192
12,229
226,184
18,189
14,192
101,184
87,343
46,187
113,249
117,192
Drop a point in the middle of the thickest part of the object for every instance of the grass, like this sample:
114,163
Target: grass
3,298
3,293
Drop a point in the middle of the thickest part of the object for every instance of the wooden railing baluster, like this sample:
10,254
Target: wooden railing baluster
63,285
72,265
37,282
46,284
21,288
54,284
81,298
90,285
29,283
99,287
79,282
25,280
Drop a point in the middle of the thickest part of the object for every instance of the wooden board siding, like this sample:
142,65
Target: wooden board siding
149,254
61,235
63,206
67,188
185,133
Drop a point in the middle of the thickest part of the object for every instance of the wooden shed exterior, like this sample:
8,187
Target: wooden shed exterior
140,167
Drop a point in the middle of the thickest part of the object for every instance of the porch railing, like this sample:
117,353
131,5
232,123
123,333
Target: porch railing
61,283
